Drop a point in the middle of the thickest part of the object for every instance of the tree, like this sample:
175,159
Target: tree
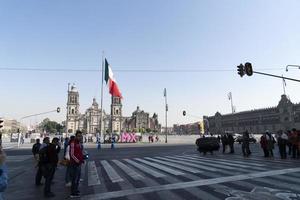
51,126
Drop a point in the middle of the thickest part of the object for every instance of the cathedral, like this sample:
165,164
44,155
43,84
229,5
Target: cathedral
115,122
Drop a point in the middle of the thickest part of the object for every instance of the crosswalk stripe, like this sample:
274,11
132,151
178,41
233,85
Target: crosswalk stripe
145,169
189,164
277,183
203,162
234,161
163,168
197,183
189,169
93,178
287,178
227,163
112,174
133,174
18,158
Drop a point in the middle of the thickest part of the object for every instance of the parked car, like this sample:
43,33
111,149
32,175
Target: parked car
239,139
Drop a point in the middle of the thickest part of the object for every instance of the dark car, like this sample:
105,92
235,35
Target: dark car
239,139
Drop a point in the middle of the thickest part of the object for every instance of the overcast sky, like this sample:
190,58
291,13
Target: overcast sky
210,36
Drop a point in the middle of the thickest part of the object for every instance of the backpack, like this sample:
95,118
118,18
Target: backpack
43,155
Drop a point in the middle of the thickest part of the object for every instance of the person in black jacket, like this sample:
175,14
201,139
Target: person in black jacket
35,151
231,142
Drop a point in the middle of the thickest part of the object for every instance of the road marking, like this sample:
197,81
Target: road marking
133,174
189,169
163,168
145,169
112,174
93,178
204,163
183,185
226,163
184,162
233,161
18,158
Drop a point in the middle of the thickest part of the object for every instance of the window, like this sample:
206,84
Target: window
73,111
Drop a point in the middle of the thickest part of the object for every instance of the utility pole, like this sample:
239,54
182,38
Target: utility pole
166,104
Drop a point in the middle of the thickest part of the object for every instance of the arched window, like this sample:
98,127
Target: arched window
73,111
117,112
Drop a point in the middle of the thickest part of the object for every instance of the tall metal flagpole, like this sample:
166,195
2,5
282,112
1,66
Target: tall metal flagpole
283,85
101,115
230,98
165,95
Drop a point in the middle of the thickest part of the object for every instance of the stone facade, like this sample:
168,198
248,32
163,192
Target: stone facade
115,122
284,116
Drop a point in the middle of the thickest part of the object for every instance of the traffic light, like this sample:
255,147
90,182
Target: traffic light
58,110
248,69
240,70
1,123
184,113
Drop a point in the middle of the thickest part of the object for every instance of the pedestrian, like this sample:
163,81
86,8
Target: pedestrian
76,159
270,143
264,145
3,173
39,173
289,144
48,156
35,151
66,143
224,140
67,159
245,144
282,142
230,142
294,142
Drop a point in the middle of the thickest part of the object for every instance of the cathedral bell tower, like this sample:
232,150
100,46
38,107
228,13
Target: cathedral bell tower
72,121
116,114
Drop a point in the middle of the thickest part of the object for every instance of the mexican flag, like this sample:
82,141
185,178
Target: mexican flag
110,80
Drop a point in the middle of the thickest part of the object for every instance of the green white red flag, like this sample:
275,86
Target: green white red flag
111,81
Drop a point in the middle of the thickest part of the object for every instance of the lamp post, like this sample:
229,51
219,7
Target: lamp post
166,104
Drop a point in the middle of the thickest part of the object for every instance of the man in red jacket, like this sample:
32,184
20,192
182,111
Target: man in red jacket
76,159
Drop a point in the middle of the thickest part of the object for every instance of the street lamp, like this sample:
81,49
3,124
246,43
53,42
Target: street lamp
286,68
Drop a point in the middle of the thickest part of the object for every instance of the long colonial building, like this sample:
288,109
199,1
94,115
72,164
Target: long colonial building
285,116
89,122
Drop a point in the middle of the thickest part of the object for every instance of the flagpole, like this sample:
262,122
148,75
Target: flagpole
283,85
232,110
101,104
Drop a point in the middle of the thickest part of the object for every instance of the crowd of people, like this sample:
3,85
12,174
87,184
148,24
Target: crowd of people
47,159
285,140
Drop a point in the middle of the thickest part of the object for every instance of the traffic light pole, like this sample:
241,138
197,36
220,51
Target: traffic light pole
281,77
19,135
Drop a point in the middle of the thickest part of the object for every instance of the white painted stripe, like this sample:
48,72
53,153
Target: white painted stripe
183,185
145,169
189,169
18,158
184,162
128,170
247,163
203,163
93,178
228,163
163,168
112,174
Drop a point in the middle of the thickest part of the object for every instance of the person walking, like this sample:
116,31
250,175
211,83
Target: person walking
224,140
282,142
3,173
294,142
230,142
245,144
270,143
67,158
41,159
48,160
76,159
264,145
35,151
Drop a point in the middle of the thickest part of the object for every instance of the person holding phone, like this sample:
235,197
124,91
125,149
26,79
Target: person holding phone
3,172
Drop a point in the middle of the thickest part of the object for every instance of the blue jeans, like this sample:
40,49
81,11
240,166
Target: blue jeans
68,176
75,171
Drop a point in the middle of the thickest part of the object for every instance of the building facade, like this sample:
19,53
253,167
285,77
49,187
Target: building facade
114,122
285,116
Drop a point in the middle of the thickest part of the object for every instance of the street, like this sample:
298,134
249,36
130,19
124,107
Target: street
151,171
